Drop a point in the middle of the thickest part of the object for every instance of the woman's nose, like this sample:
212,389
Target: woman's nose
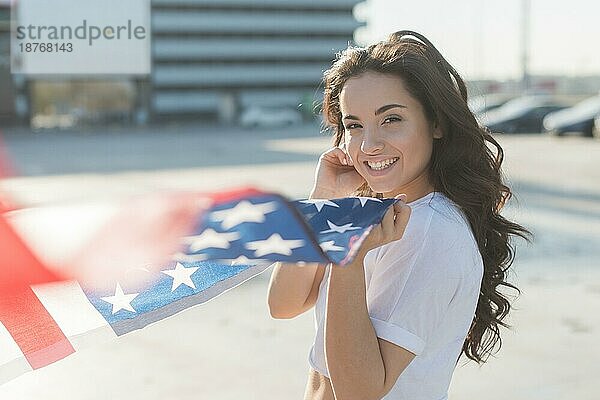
371,144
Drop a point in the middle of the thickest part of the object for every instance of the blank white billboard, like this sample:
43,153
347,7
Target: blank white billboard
81,37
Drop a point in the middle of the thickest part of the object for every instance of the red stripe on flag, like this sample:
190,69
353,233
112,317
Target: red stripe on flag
34,330
234,194
19,267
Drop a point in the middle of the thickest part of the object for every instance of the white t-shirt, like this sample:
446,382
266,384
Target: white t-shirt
422,292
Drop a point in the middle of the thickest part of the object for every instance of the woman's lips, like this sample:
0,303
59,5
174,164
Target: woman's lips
374,172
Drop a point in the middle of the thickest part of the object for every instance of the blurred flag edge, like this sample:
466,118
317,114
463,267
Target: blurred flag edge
43,323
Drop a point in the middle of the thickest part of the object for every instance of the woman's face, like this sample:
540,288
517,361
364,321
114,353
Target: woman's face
384,123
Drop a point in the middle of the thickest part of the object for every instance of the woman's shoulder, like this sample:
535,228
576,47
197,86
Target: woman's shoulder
437,232
450,238
435,213
449,221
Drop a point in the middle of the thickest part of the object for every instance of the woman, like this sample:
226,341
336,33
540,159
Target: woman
423,289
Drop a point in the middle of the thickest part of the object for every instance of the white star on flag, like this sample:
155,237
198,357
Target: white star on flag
363,200
120,301
211,238
243,260
320,203
339,228
181,276
274,244
330,246
244,211
189,257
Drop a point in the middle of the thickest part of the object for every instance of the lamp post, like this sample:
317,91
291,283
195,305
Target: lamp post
525,28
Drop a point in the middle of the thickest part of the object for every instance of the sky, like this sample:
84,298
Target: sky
482,39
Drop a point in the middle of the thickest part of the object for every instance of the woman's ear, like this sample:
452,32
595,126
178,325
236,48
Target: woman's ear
437,131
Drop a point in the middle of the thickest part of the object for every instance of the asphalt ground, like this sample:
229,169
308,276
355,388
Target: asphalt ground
230,348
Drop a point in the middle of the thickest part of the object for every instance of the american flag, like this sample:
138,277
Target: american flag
239,236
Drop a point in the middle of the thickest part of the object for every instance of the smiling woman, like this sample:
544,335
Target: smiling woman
423,289
389,145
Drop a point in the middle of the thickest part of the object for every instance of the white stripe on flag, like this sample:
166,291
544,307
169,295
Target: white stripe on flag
72,311
12,360
71,227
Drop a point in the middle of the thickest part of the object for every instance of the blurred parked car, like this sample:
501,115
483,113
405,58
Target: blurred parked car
596,127
579,118
521,115
270,116
487,102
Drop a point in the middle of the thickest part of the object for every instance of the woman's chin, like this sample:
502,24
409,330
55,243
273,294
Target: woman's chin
380,188
377,186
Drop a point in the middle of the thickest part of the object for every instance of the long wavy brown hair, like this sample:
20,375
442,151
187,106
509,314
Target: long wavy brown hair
462,166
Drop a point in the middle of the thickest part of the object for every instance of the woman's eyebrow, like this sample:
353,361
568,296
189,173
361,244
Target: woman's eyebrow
379,110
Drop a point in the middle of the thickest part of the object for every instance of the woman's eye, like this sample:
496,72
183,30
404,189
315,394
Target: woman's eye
351,126
392,119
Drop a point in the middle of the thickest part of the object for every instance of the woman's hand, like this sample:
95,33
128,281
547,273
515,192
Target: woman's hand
390,228
335,175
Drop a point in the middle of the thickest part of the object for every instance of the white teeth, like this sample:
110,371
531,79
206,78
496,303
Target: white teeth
382,164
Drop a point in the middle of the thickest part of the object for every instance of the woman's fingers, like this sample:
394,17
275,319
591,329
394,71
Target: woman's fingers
394,221
402,216
392,225
336,155
343,154
401,196
343,158
348,159
387,223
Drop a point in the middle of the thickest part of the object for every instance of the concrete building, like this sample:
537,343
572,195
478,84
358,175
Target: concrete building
7,100
217,57
213,58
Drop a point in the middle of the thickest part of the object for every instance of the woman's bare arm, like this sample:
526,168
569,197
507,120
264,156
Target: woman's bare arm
292,289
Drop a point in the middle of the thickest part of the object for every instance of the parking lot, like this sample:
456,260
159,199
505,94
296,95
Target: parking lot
230,348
